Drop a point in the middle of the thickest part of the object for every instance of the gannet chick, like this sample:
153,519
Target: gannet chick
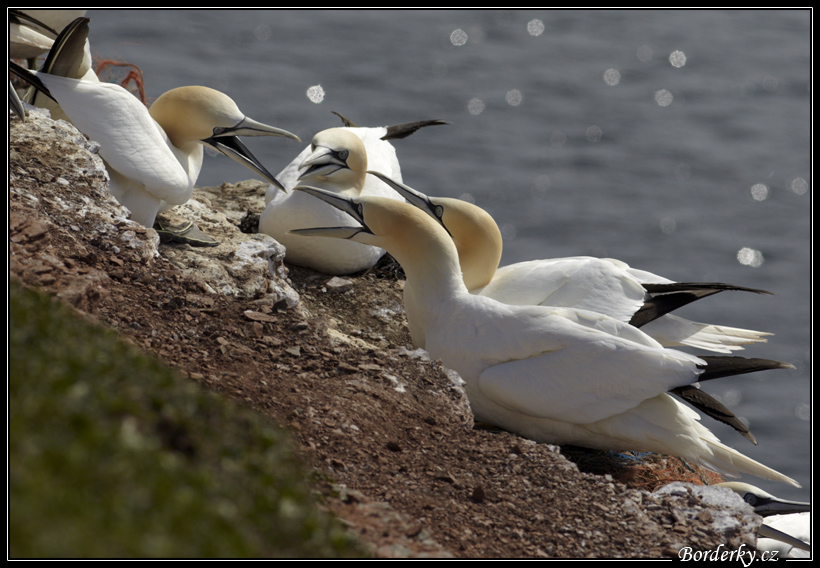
554,375
604,285
787,524
337,160
154,157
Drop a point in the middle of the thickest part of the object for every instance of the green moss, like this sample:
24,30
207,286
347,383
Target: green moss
112,454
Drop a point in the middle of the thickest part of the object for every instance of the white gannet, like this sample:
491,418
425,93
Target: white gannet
337,160
321,165
607,286
554,375
604,285
69,56
154,156
787,524
32,32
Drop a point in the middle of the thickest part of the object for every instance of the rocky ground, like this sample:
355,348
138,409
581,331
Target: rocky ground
330,359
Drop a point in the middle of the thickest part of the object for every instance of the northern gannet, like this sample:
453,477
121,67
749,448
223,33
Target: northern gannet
32,32
607,286
317,165
554,375
787,524
69,56
337,160
154,155
604,285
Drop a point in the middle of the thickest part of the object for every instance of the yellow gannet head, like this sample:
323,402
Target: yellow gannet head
201,115
417,242
474,232
337,161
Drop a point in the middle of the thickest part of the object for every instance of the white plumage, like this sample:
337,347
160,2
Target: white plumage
337,160
153,156
554,375
603,285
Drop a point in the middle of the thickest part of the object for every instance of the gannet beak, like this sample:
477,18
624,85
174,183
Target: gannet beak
323,161
341,203
15,103
765,531
250,127
233,147
225,141
775,506
415,198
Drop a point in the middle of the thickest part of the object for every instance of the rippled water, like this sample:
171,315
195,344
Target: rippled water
677,141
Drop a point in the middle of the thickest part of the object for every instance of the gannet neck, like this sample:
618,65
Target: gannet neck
475,233
477,238
425,251
337,162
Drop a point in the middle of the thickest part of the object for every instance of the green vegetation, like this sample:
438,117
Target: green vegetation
112,454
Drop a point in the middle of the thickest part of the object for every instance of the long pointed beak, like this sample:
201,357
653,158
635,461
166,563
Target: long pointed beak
233,147
776,506
250,127
340,202
415,198
322,160
766,531
15,103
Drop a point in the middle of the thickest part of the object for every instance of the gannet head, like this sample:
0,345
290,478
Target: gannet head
474,232
765,503
201,115
410,236
337,161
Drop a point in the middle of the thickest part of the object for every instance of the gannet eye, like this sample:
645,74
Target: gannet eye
750,498
218,130
343,154
439,212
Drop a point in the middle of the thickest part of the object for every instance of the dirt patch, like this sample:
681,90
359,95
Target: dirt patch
388,431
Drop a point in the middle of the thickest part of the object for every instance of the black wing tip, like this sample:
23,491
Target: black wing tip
712,407
700,287
718,366
397,131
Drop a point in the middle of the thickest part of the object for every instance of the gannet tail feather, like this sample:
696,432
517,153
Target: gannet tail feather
674,331
712,407
718,366
732,463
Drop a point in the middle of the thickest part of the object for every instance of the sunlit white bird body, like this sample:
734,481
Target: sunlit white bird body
336,160
555,375
154,156
603,285
786,524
